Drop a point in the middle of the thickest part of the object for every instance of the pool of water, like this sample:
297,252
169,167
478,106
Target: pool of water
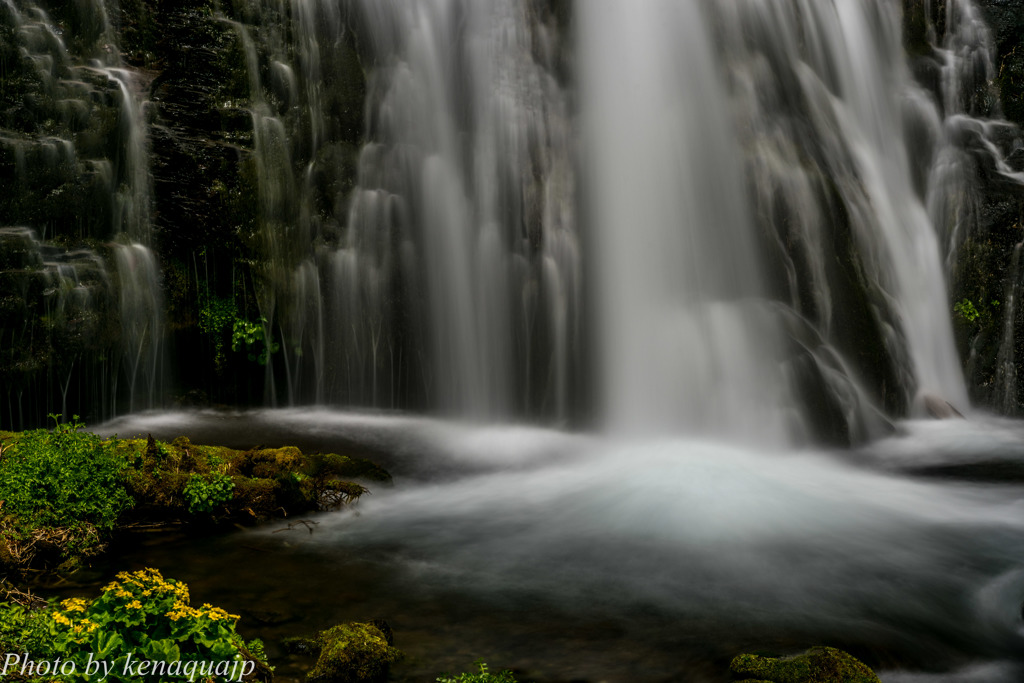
580,557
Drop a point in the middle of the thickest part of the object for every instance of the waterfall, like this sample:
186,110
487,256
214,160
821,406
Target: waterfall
805,104
678,255
452,278
472,149
733,218
79,147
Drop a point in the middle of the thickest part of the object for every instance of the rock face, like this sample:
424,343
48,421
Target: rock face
817,665
1006,17
135,122
980,208
986,277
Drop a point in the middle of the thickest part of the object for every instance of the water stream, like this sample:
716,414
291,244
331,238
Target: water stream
717,234
575,557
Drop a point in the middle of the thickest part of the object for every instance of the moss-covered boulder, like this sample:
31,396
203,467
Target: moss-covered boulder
817,665
353,653
161,483
265,482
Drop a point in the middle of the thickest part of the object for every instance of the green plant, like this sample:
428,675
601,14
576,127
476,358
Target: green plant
966,310
143,626
216,315
482,676
251,336
257,650
63,479
205,492
24,630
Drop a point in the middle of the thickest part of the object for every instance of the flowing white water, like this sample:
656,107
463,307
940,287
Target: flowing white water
757,257
123,181
686,547
806,103
472,152
450,276
676,242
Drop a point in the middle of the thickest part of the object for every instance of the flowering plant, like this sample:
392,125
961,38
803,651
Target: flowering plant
143,618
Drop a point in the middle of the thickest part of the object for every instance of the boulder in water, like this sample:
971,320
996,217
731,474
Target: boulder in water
353,653
817,665
940,409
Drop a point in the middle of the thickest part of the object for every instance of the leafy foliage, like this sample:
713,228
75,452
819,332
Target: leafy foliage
482,676
205,492
219,317
966,310
24,630
140,616
66,479
251,337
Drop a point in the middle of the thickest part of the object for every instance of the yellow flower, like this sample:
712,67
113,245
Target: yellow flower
61,619
216,613
74,604
134,604
88,626
181,610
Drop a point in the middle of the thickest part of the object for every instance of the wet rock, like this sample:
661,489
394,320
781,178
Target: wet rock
940,409
1006,19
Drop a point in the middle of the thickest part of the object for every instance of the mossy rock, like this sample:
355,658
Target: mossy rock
817,665
268,463
320,464
353,653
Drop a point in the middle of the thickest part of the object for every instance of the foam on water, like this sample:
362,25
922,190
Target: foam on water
737,540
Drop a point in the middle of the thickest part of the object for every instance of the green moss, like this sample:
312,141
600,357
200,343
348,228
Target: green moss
817,665
260,498
353,653
268,463
344,466
174,482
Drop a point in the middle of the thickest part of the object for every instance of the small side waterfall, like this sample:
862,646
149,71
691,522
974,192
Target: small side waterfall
74,143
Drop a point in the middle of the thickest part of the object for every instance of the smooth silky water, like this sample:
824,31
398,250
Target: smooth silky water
714,233
577,557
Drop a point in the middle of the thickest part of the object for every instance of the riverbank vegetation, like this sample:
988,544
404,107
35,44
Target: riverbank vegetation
141,627
66,491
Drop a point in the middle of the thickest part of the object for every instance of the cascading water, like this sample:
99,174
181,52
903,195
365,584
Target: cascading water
454,275
965,164
678,255
76,136
751,246
756,245
836,234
